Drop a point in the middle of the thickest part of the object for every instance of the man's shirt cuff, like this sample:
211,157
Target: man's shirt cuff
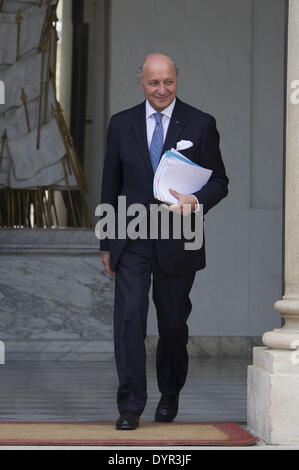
197,207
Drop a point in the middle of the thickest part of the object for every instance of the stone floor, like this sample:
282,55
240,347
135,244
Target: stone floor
215,390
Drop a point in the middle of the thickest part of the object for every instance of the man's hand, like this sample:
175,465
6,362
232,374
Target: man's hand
186,203
106,262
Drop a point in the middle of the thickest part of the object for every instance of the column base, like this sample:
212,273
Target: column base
281,338
273,396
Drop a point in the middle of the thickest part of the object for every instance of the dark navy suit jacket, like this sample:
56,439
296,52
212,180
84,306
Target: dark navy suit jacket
128,171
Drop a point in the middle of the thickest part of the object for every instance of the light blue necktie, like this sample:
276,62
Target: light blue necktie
157,141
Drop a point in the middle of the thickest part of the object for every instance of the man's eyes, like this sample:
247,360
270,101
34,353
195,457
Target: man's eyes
168,82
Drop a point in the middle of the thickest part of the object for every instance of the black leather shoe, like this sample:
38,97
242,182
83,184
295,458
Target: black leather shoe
167,409
128,420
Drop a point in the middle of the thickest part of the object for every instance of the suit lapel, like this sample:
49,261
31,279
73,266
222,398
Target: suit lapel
139,127
176,125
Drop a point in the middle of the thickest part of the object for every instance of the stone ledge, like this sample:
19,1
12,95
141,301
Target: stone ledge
48,241
97,350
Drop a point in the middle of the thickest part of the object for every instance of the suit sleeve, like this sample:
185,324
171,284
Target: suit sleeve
210,157
112,175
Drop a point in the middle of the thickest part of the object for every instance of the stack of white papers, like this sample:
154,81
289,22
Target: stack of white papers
179,173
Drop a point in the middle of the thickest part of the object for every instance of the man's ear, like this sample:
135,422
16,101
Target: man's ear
140,84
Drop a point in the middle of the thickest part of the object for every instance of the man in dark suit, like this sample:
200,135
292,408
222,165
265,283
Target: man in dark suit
136,140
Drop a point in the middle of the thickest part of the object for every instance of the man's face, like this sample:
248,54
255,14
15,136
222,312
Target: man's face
159,82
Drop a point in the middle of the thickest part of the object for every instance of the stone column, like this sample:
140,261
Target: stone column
273,379
64,79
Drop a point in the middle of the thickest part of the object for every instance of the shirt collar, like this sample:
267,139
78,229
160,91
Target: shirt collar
149,110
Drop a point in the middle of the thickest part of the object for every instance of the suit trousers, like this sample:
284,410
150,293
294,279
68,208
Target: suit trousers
137,264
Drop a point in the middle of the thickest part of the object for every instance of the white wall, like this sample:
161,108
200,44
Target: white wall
230,55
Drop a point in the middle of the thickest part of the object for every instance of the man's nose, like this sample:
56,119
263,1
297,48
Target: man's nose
162,89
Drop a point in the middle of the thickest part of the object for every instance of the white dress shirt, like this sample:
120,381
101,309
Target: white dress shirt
151,121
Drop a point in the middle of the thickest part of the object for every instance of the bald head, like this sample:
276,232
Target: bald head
157,77
155,59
